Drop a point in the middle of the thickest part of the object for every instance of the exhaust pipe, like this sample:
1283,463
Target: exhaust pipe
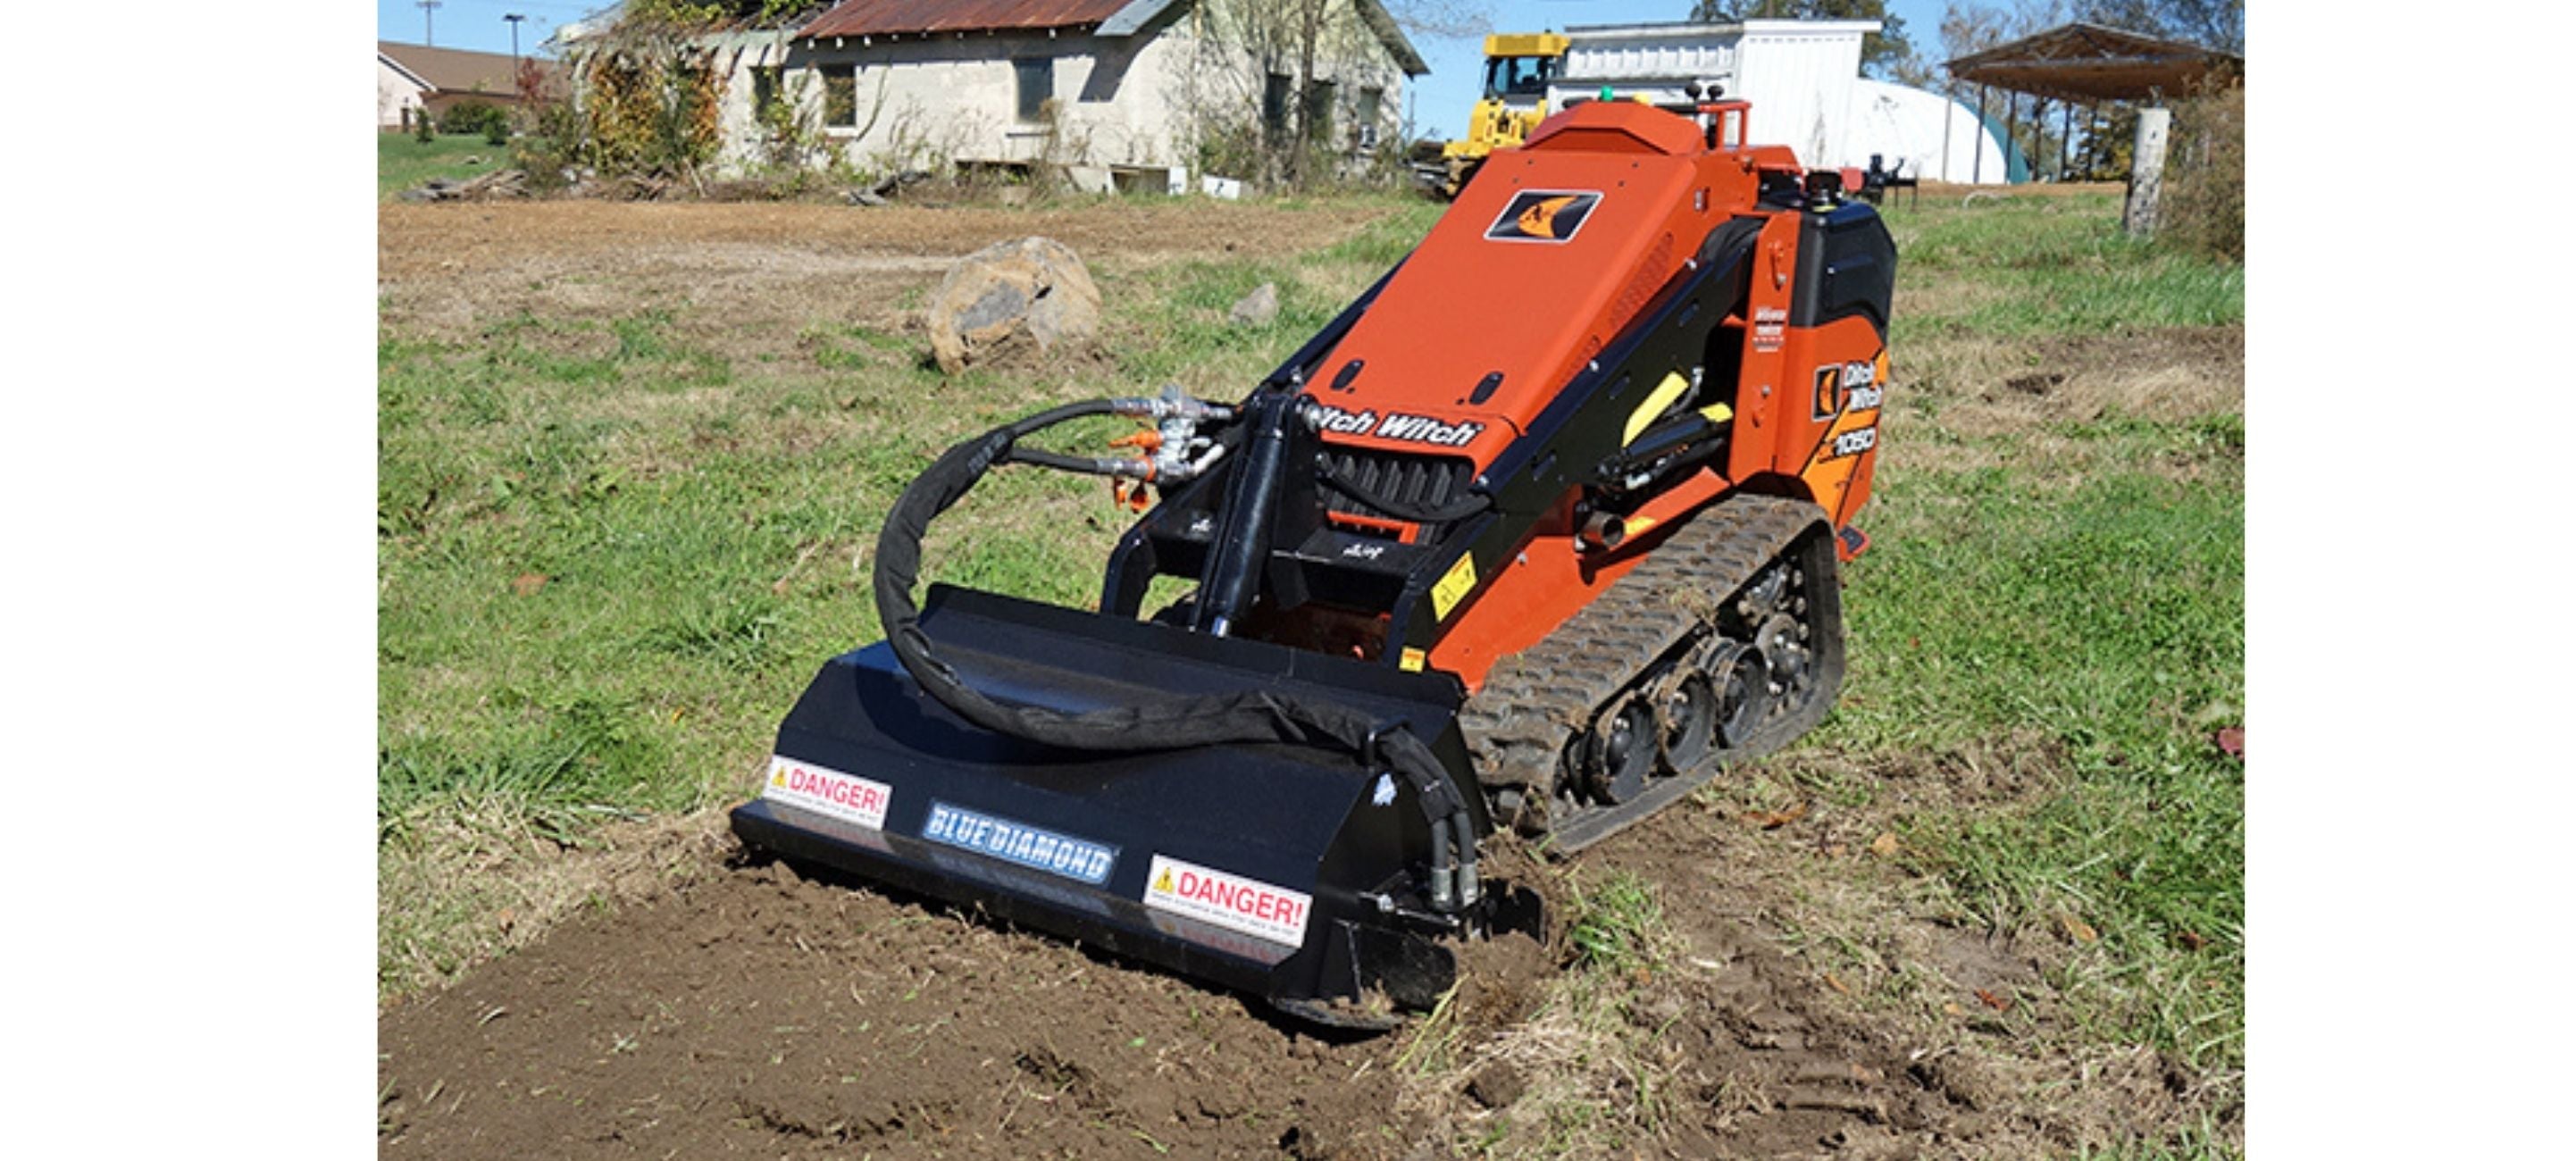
1601,532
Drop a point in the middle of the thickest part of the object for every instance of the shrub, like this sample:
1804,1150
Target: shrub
551,150
650,105
2204,210
555,131
474,117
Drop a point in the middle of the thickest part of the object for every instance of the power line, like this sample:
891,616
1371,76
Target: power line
428,24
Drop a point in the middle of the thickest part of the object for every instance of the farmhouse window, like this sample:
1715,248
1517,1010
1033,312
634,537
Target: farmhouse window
1319,110
841,95
764,90
1035,77
1274,104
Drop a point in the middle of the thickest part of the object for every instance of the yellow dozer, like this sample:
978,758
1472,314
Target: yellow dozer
1518,69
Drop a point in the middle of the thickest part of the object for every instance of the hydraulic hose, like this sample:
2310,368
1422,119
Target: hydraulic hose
1163,723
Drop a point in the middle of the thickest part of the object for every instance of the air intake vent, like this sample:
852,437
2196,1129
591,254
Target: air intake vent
1421,481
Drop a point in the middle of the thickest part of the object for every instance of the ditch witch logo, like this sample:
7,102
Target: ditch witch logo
1543,216
1399,426
1847,386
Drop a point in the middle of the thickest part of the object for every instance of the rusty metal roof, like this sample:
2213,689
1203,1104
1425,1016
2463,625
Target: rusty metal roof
2089,62
898,17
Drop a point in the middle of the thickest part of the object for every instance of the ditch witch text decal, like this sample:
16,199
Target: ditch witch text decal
1399,426
1543,216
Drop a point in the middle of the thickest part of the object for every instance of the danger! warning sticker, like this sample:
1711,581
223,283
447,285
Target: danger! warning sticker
827,791
1229,901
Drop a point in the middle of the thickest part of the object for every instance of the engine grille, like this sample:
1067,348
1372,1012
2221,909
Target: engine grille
1425,481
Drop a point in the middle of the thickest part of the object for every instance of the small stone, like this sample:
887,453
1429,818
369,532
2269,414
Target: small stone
1257,308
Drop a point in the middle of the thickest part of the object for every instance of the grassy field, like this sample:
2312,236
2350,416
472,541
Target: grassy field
612,550
2068,574
403,162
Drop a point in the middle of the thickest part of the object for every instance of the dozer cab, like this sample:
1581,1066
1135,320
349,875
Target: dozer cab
1518,69
1539,534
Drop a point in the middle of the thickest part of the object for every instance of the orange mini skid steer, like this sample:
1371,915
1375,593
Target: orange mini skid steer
1538,534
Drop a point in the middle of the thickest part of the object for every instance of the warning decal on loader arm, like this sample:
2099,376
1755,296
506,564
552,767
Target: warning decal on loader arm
1453,587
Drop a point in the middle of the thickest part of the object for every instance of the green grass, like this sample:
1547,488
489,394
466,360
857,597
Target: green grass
1616,925
402,162
2054,265
2078,595
2108,620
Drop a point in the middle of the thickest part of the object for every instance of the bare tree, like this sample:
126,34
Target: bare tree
1443,19
1271,73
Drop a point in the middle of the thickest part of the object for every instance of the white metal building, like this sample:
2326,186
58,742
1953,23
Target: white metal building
1801,75
1900,122
1803,78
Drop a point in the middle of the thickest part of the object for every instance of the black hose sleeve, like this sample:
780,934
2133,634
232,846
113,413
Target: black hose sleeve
1458,509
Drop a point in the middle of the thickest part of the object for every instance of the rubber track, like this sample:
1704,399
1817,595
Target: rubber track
1533,702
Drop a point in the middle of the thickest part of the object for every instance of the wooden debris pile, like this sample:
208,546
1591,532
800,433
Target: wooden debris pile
500,183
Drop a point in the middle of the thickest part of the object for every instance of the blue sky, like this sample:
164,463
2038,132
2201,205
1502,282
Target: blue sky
477,24
1440,101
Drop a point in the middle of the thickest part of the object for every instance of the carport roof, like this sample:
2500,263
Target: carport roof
2089,62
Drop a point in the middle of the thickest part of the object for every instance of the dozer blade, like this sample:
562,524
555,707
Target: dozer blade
1281,870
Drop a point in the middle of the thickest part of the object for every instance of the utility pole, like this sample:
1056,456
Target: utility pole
428,21
514,19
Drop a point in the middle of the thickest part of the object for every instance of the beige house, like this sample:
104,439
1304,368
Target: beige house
411,78
1117,91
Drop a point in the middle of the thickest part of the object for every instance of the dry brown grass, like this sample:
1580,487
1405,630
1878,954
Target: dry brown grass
2204,210
500,884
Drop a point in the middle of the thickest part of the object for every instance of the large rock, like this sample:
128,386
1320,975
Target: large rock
1032,295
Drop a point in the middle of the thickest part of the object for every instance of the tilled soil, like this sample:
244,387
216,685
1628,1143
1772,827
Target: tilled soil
758,1012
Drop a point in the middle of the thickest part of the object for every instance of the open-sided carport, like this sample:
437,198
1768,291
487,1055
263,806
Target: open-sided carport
2088,64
